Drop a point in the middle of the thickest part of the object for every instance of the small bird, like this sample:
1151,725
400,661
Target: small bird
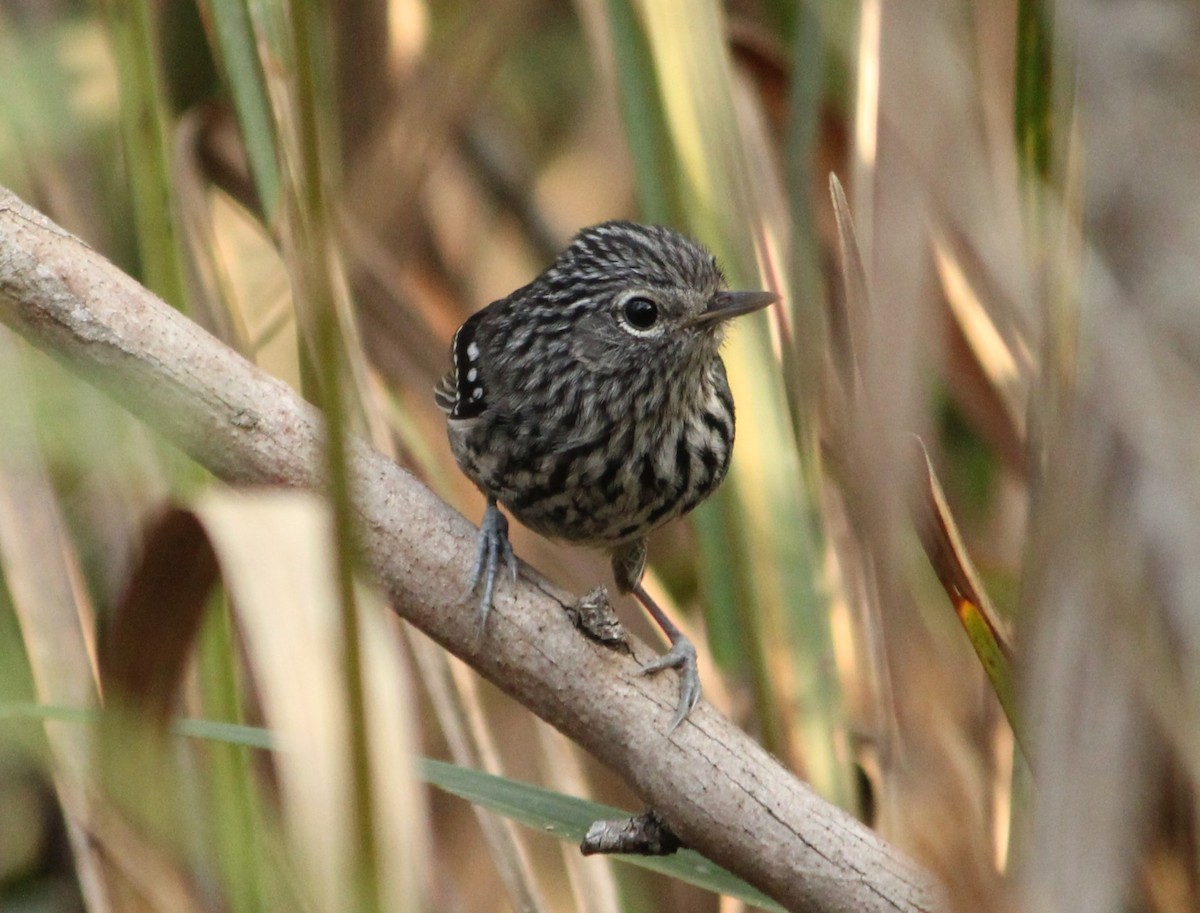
592,404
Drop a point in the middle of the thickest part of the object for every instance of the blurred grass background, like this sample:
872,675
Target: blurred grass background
332,187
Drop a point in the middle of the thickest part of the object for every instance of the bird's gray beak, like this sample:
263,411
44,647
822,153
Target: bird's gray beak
727,305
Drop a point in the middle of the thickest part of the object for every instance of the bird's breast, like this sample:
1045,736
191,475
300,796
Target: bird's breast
603,466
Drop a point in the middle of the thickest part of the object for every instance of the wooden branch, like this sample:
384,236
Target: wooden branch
713,785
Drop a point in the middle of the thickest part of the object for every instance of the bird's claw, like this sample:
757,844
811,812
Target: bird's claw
681,656
493,547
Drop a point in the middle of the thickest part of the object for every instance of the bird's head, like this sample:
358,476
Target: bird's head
628,294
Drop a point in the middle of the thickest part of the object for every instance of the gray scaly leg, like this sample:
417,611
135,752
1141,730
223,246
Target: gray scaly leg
628,564
493,547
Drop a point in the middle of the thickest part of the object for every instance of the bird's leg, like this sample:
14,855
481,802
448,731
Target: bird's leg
493,546
681,656
628,564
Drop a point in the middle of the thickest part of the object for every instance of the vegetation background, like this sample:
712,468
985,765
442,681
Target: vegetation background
330,188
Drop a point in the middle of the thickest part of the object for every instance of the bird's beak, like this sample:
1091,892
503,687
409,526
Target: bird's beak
727,305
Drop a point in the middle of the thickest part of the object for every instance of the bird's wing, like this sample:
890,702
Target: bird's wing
446,392
460,392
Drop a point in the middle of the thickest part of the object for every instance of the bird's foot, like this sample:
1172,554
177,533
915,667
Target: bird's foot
681,656
494,547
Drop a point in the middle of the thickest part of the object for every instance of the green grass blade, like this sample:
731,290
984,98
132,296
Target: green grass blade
952,563
146,130
804,358
655,172
1034,99
234,799
237,51
766,514
565,817
568,818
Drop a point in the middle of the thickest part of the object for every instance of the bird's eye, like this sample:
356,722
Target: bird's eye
641,313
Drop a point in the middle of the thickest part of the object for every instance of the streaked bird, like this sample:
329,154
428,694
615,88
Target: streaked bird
592,405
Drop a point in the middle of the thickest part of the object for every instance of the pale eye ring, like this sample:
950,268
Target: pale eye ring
640,312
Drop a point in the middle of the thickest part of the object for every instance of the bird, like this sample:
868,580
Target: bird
592,404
